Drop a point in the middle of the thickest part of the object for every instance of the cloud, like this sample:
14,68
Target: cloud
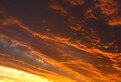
59,9
72,58
66,41
18,75
108,7
115,21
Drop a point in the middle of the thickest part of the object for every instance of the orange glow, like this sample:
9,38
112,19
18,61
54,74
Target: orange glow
114,21
14,75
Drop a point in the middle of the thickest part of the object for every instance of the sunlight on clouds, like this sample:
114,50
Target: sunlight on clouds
14,75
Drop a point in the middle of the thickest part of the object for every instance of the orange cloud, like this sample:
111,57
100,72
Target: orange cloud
59,9
77,27
115,21
108,7
65,41
63,65
89,14
76,2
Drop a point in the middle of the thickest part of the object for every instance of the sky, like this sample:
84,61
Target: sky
60,41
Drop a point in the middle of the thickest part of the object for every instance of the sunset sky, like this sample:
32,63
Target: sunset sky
60,40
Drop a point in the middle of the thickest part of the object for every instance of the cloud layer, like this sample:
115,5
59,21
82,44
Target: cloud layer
62,41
